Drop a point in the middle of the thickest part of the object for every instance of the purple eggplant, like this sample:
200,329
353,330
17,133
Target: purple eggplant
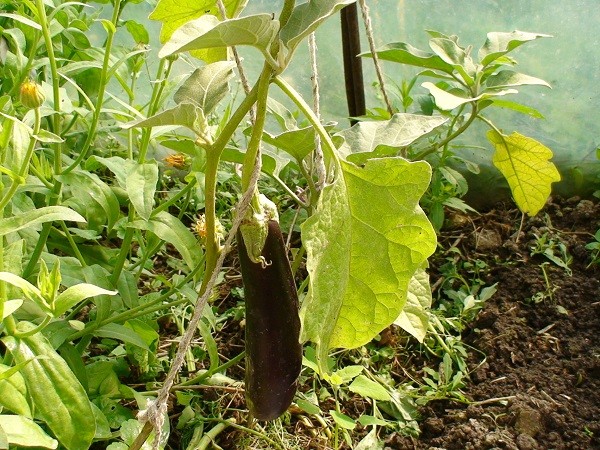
273,349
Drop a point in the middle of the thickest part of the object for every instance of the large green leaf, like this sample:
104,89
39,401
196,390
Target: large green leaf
175,13
37,216
73,295
185,114
57,396
14,392
364,243
207,86
448,101
498,44
453,54
140,185
374,139
305,18
24,432
208,32
407,54
88,188
525,164
121,333
298,143
510,78
414,318
365,387
171,230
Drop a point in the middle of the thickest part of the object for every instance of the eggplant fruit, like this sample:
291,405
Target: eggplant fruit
273,349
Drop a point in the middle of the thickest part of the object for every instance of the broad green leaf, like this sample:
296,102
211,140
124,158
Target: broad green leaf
29,290
343,375
273,161
518,107
366,420
10,306
121,333
103,430
343,420
363,139
498,44
138,32
57,396
88,187
118,166
447,101
14,392
305,18
525,164
185,114
170,229
364,243
140,185
37,216
308,407
414,318
406,54
365,387
510,78
22,431
23,20
144,331
208,32
207,86
47,137
175,13
73,295
451,53
297,143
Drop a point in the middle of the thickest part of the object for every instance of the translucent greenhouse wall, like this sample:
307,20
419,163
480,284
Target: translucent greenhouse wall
570,62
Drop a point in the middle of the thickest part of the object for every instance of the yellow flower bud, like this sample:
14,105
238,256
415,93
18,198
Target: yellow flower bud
31,94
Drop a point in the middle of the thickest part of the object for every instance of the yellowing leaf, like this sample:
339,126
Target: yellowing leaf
175,13
414,318
364,244
525,164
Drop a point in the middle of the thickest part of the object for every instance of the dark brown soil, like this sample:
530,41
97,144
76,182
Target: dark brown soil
538,386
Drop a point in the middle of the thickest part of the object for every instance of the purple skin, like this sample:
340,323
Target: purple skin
273,350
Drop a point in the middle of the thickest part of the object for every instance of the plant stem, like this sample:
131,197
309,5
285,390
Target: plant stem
458,132
163,74
91,134
200,378
212,247
56,119
259,124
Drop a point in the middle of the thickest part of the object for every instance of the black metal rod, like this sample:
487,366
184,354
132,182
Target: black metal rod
353,74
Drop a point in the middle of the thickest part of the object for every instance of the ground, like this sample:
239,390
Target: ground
535,381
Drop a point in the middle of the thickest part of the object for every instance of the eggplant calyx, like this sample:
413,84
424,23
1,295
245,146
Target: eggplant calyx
255,228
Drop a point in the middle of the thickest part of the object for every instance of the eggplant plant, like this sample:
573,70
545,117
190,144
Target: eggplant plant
87,209
465,87
366,235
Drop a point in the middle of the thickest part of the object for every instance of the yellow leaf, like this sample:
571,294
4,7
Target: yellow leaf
525,164
175,13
